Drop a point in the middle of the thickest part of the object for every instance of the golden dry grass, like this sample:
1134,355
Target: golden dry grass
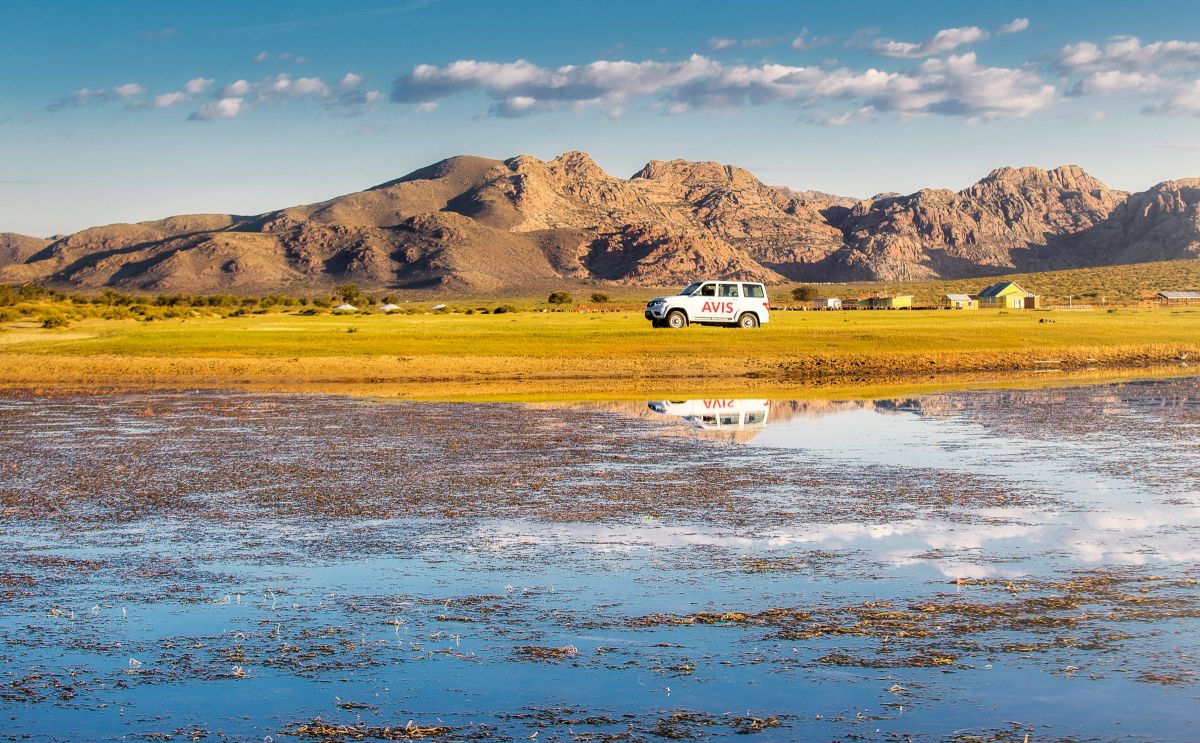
582,355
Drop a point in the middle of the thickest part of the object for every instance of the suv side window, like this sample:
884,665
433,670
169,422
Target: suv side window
754,290
708,290
729,290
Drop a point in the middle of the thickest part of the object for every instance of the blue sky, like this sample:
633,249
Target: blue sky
134,110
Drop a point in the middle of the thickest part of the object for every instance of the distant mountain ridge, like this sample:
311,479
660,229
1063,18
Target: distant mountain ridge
475,224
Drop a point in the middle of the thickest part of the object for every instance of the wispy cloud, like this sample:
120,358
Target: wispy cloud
347,96
223,108
191,90
1015,26
1128,53
288,57
717,44
946,40
84,96
804,40
955,86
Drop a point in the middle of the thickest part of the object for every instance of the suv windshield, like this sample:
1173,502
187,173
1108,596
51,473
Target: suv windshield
690,289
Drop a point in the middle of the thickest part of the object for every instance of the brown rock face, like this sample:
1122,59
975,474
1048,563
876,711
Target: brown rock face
1005,221
16,248
476,224
1161,224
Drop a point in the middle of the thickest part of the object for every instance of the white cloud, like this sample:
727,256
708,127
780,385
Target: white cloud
197,85
803,41
1162,72
943,41
1015,26
262,56
955,86
225,108
347,96
166,100
84,96
282,85
717,44
1115,82
236,89
1127,53
128,90
1183,100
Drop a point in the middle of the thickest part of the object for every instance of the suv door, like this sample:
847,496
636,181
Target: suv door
727,302
703,303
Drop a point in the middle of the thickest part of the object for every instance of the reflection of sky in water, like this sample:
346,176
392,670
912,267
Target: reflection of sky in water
1113,473
1117,496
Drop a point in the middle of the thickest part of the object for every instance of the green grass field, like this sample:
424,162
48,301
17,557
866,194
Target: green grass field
534,354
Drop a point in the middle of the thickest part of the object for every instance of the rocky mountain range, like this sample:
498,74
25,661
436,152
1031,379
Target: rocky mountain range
473,224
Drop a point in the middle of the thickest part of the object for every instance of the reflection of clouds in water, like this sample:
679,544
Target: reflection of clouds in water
1141,536
1133,536
606,538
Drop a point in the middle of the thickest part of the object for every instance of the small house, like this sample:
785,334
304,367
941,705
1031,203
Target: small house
827,303
1008,295
1174,299
345,307
886,302
389,307
962,302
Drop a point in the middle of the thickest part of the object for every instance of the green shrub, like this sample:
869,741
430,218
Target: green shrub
503,309
600,298
560,298
348,293
804,293
55,320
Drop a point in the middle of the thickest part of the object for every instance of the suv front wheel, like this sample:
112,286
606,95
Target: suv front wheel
676,319
748,320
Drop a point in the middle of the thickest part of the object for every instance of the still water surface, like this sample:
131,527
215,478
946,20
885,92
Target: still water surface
979,565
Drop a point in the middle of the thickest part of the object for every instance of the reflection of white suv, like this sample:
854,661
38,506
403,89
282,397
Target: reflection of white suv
737,303
715,415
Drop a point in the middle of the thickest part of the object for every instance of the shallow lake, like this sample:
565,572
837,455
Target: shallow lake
971,566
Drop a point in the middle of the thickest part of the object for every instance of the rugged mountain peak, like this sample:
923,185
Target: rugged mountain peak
690,174
578,165
459,168
1064,177
16,248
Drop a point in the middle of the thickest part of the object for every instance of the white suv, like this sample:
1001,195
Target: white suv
739,303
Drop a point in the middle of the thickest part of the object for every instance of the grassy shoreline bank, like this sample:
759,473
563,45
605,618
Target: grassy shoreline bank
587,355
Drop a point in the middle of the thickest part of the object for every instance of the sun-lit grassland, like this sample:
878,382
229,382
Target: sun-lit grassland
585,354
1109,284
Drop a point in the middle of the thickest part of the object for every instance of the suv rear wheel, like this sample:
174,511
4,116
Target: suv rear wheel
748,320
676,319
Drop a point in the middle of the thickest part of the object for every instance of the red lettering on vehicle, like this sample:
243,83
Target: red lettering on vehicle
718,307
710,404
